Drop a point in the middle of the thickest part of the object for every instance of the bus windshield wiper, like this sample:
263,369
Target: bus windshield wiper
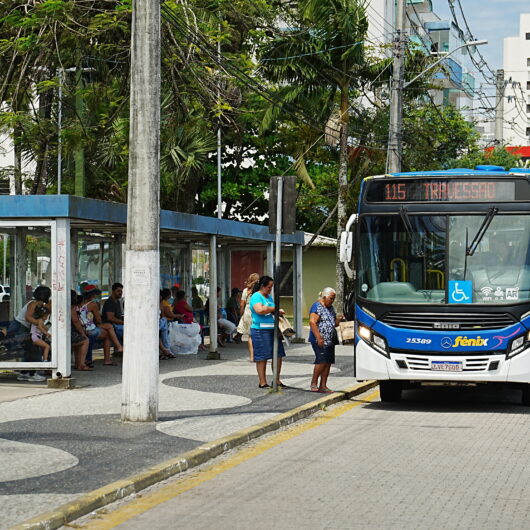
492,212
404,214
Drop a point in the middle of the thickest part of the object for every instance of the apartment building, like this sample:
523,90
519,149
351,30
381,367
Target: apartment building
433,35
516,64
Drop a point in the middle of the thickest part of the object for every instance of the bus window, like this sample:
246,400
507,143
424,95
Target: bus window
402,260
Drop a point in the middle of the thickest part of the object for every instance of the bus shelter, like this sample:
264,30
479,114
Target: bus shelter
62,241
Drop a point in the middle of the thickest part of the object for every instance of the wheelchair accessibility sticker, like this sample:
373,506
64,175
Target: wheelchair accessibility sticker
460,292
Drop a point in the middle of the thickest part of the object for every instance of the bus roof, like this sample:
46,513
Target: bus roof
461,172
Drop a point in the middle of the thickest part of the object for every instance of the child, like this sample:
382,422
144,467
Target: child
40,330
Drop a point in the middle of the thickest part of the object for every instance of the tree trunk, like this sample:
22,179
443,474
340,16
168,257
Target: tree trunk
17,133
343,189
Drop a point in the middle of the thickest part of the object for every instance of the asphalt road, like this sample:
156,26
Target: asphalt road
442,458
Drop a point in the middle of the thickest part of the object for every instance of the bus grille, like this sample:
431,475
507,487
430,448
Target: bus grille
449,321
472,364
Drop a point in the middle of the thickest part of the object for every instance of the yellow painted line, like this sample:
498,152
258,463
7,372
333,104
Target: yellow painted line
144,503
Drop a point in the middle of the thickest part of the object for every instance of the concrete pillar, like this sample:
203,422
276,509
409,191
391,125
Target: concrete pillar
270,259
221,274
140,380
213,353
61,282
298,293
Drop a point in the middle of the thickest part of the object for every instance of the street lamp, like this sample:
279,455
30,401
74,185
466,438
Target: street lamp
465,45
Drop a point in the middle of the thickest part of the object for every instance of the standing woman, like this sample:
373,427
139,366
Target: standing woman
323,337
246,317
262,329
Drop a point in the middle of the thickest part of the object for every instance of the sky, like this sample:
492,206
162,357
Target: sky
488,19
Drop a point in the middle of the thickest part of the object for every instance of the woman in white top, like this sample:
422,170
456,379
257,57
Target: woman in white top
246,319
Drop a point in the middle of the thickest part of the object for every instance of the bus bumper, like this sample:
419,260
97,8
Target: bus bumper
414,366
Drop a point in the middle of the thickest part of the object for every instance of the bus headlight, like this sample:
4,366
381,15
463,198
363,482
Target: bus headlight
377,342
364,333
517,346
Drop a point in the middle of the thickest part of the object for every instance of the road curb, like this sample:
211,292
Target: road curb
122,488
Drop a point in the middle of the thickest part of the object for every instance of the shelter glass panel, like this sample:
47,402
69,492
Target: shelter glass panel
25,254
95,264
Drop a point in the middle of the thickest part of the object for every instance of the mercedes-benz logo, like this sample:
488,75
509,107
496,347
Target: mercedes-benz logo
446,342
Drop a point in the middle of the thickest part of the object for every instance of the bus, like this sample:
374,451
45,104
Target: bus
440,263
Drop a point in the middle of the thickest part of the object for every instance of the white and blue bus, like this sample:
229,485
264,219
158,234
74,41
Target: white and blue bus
441,267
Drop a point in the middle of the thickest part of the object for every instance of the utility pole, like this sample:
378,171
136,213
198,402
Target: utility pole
219,145
395,133
142,259
499,107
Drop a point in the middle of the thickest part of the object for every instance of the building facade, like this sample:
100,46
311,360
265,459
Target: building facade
516,63
431,34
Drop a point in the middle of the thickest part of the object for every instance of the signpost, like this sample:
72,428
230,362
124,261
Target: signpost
282,219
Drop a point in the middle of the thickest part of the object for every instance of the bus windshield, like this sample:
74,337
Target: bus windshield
418,259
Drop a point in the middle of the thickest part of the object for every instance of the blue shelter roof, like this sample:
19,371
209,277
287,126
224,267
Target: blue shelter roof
97,215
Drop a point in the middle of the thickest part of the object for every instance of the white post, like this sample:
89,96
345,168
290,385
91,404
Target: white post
18,289
213,354
270,260
6,242
277,262
298,292
59,126
61,346
142,257
189,276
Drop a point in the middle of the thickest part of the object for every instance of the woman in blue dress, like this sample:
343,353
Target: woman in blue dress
323,337
262,329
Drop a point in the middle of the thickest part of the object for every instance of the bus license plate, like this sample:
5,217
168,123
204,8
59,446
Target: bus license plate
446,366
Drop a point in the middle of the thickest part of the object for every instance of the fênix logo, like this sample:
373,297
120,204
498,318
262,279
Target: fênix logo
464,341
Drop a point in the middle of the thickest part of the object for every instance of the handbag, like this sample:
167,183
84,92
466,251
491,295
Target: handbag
285,327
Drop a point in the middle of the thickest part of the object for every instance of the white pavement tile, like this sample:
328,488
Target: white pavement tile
208,428
31,505
22,460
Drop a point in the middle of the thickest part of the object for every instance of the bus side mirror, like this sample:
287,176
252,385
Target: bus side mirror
346,246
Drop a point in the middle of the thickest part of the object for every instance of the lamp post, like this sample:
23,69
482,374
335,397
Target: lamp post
395,133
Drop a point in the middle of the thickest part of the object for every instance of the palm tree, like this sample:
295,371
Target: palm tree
320,61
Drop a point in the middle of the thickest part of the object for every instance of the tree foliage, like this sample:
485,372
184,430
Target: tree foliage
275,95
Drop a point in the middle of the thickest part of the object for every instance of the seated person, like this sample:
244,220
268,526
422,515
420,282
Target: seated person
94,327
112,312
39,331
226,328
196,300
166,309
78,337
181,307
233,306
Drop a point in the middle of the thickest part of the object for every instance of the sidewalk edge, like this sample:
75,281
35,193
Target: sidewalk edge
114,491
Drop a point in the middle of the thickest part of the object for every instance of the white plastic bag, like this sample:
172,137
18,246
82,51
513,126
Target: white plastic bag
184,339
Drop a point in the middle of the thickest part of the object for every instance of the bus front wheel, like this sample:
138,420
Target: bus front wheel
390,391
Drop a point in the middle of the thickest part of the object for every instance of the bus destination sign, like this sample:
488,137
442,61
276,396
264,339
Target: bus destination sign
447,190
